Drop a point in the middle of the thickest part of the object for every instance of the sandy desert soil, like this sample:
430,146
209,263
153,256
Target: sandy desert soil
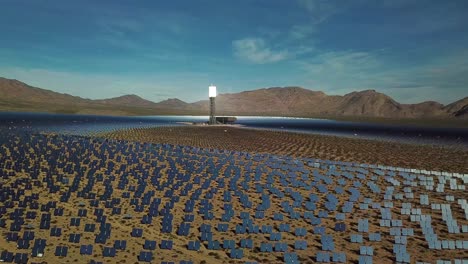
73,154
305,145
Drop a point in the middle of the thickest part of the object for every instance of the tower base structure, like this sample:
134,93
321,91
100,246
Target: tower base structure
212,120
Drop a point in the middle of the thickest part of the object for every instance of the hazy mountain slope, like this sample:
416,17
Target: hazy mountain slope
18,96
133,100
275,101
15,90
458,108
172,103
368,103
424,109
296,101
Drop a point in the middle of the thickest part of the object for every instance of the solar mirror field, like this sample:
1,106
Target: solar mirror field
77,199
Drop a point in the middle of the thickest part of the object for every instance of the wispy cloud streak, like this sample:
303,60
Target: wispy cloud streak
255,50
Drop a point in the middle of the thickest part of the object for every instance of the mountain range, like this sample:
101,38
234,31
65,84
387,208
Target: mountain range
276,101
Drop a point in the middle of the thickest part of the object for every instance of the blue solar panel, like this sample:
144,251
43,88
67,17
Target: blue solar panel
240,229
61,251
300,245
146,220
223,227
236,253
244,215
266,229
363,225
283,227
259,215
56,232
213,245
246,243
300,232
319,230
374,237
38,251
82,212
75,222
100,239
22,244
229,244
365,260
323,257
21,258
120,244
89,227
184,229
366,250
149,245
327,243
189,218
166,244
145,256
266,247
205,228
86,249
198,179
206,236
314,197
253,229
137,232
291,258
193,245
280,247
275,236
29,215
339,257
340,227
6,256
108,252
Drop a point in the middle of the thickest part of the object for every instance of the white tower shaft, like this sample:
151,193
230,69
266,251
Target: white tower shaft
212,96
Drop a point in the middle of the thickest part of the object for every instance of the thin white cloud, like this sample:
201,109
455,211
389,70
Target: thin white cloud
119,27
298,32
443,79
341,63
318,11
321,10
143,31
256,51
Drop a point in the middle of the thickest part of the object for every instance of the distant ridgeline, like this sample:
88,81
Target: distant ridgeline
275,101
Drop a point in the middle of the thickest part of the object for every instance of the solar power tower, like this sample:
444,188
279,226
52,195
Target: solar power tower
212,95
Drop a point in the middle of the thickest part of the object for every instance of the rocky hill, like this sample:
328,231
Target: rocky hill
276,101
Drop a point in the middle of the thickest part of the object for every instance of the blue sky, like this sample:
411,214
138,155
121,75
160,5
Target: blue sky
412,50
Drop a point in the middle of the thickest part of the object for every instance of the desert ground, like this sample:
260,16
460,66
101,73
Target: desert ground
245,175
432,158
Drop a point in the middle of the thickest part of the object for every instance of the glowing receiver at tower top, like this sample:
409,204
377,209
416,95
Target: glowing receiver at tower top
211,91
